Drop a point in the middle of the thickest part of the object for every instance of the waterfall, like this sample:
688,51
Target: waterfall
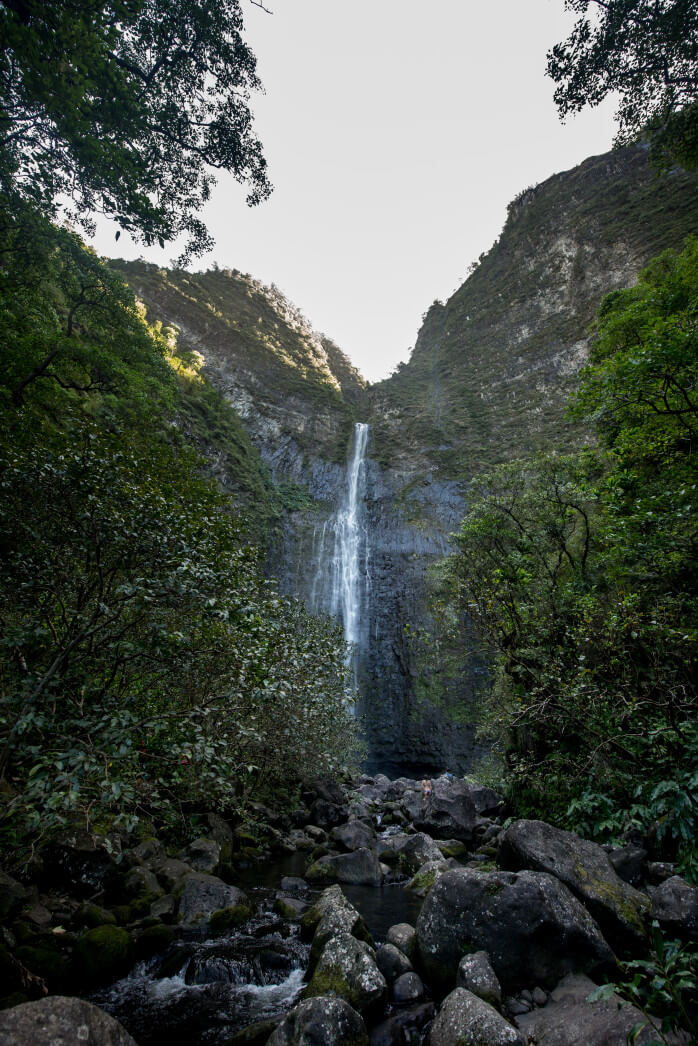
341,553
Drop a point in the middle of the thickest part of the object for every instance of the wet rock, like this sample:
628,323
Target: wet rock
256,1034
59,1021
327,1020
515,1007
414,851
531,926
584,867
404,937
408,988
450,813
476,975
354,835
569,1020
318,835
289,907
468,1021
203,854
539,997
347,968
202,895
392,963
293,884
675,907
359,867
91,915
330,916
404,1028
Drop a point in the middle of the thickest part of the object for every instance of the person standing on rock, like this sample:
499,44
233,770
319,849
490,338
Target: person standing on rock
426,791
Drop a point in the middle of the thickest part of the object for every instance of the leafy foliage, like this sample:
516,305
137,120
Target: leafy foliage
580,574
126,107
646,51
664,987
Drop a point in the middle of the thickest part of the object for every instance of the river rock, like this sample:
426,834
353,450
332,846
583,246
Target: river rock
359,867
403,1028
404,937
569,1020
204,855
391,962
12,895
322,1021
629,863
408,988
413,851
347,968
140,881
331,915
81,864
60,1021
675,907
531,926
476,975
202,895
584,867
466,1020
170,871
423,880
354,835
327,815
449,813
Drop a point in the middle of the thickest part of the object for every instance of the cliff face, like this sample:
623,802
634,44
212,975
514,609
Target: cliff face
487,381
493,366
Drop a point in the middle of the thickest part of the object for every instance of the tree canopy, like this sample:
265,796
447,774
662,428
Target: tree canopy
647,52
126,108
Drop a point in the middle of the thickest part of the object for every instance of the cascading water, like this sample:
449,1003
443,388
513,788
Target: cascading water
341,553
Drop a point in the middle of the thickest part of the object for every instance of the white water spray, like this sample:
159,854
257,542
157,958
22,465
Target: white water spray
342,574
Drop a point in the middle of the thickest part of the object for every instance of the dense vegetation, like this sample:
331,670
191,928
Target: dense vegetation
147,666
579,571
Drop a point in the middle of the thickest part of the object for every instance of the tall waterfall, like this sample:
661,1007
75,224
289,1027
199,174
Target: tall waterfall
341,553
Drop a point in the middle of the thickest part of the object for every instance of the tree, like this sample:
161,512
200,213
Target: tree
125,108
647,51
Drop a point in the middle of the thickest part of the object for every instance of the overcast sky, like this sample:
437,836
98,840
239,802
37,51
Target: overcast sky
396,132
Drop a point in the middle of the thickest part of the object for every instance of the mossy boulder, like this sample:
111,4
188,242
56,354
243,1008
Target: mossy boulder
224,919
91,915
153,940
104,954
347,968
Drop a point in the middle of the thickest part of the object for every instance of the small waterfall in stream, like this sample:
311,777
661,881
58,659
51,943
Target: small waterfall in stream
341,554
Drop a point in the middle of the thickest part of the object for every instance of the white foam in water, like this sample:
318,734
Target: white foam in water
273,997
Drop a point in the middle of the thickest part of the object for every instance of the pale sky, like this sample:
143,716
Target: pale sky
396,132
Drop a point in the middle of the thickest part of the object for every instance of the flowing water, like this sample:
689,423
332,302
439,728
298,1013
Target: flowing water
342,554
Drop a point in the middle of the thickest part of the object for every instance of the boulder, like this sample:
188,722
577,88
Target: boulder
332,915
404,937
202,895
629,863
675,907
347,968
141,881
569,1020
449,813
169,871
203,854
404,1028
81,864
466,1020
354,835
103,954
476,975
359,867
531,926
413,851
12,896
327,815
408,988
620,910
323,1020
391,962
221,831
59,1021
423,880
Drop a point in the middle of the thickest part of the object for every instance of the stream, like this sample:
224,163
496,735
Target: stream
201,992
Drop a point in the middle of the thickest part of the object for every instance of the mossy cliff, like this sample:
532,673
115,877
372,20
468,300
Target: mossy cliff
492,367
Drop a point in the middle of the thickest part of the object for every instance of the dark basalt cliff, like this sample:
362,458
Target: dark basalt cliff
487,381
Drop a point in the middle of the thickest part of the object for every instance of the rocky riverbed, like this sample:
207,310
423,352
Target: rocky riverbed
403,922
